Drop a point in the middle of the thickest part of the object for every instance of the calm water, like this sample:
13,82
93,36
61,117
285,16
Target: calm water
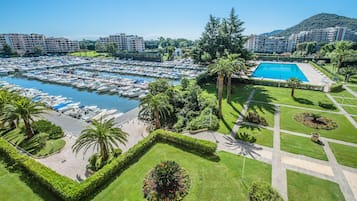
104,101
279,71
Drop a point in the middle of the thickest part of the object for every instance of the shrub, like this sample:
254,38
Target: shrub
246,137
254,117
167,181
336,88
44,126
315,121
261,191
327,105
95,161
204,121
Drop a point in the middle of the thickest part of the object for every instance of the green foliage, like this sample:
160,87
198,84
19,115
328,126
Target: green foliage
96,162
327,105
205,120
315,121
255,118
319,21
69,190
261,191
87,44
159,86
336,88
166,181
45,126
246,137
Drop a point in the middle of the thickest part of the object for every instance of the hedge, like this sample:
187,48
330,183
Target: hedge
68,189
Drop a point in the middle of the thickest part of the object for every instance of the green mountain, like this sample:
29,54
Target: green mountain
319,21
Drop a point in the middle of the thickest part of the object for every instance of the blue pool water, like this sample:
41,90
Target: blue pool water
103,101
279,71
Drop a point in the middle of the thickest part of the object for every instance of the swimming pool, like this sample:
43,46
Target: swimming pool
279,71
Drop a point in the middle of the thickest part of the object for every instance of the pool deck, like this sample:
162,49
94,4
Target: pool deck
314,76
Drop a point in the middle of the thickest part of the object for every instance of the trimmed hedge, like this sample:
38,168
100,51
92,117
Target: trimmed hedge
70,190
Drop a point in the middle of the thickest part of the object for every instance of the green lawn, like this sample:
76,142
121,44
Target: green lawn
264,136
350,110
342,93
355,118
231,111
19,187
51,146
303,98
353,88
345,130
301,145
305,187
87,54
348,101
264,110
345,155
209,180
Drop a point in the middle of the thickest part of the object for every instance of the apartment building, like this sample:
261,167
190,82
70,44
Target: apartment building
26,43
130,43
61,45
264,44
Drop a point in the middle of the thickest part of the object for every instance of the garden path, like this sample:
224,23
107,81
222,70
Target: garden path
347,115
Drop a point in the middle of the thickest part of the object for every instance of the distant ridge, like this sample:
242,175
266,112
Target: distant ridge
275,32
319,21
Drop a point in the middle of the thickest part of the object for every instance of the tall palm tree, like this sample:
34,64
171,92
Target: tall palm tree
235,65
219,68
5,98
156,106
293,83
101,135
23,109
342,51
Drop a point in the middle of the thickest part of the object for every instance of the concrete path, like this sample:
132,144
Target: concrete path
279,180
350,90
340,177
348,116
242,114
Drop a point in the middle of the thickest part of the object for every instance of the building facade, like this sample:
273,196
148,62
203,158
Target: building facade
130,43
27,43
264,44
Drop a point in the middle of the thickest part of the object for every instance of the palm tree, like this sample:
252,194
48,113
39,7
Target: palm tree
156,106
236,64
343,49
293,83
101,135
219,68
23,109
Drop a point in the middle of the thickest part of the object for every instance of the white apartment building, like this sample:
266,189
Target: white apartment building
130,43
263,44
26,43
61,45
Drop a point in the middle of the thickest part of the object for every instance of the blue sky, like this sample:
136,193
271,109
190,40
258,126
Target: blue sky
78,19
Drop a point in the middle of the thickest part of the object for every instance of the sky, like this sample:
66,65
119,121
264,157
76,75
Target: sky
90,19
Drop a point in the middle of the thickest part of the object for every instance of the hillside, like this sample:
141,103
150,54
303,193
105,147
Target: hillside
322,20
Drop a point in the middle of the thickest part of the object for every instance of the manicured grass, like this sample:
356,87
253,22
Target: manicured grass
306,187
301,145
342,93
345,155
264,110
15,186
350,110
355,118
348,101
51,146
231,111
87,54
353,88
303,98
264,136
209,180
345,130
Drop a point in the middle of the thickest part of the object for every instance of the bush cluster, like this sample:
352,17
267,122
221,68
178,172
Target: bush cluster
327,105
255,118
166,181
95,161
336,88
261,191
43,126
315,121
70,190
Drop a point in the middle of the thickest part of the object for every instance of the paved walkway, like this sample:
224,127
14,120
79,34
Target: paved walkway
350,90
348,116
279,180
242,114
